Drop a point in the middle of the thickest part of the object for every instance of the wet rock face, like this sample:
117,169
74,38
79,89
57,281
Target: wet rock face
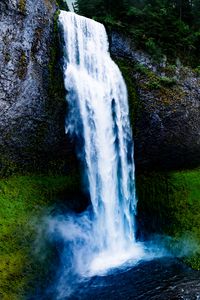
169,127
167,123
31,123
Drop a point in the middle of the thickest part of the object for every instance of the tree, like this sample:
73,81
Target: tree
196,13
162,27
91,8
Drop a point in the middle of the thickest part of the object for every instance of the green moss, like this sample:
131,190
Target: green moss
153,81
165,89
197,71
22,65
167,81
193,261
22,6
23,203
164,81
169,203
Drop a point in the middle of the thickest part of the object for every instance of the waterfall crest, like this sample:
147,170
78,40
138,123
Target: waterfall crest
99,116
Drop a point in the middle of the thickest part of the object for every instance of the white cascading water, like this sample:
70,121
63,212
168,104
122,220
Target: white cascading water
104,236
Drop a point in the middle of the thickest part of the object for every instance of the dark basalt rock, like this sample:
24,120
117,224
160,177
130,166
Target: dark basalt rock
31,115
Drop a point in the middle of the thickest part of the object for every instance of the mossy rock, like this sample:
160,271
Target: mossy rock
22,65
22,6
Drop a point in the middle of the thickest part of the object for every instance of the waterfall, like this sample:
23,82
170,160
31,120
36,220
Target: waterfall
104,236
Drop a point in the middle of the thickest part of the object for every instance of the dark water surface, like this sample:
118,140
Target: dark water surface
164,278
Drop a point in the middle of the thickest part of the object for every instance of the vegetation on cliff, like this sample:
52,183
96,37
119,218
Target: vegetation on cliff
161,27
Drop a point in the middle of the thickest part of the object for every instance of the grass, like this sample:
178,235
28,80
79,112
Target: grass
23,203
169,203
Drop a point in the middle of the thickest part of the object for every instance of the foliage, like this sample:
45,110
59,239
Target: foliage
197,70
161,27
62,4
23,203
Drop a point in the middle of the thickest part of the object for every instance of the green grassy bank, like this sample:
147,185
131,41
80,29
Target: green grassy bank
169,203
24,201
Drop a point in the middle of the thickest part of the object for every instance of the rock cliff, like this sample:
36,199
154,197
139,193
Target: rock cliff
32,106
167,108
164,100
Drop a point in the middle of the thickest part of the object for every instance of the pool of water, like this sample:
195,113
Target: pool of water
165,278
